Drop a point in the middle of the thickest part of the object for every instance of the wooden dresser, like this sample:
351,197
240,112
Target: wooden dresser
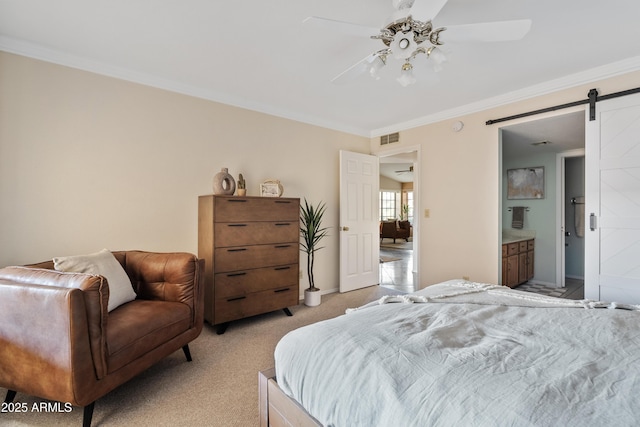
251,250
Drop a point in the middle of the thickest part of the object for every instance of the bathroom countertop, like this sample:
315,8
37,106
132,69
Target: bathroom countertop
513,236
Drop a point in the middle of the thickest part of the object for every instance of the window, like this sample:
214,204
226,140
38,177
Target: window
387,205
408,201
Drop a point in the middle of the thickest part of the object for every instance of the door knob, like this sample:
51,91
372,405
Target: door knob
345,228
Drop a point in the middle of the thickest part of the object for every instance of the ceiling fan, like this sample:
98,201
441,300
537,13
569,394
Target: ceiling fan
411,33
405,171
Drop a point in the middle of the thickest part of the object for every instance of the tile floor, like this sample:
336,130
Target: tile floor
574,289
397,264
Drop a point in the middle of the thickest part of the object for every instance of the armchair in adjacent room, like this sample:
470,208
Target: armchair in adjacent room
395,230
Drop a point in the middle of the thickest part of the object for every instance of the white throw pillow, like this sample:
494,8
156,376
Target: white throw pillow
104,264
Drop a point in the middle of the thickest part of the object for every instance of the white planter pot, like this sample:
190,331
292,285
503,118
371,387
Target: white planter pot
312,298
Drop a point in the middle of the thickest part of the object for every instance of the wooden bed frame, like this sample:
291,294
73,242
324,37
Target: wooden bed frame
276,408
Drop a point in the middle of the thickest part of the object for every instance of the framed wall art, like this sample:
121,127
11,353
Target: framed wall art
525,183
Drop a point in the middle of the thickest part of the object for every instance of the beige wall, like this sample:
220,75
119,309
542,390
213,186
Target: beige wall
88,161
460,177
389,184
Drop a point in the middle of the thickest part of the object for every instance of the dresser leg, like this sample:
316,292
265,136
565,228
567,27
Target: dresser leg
221,328
287,311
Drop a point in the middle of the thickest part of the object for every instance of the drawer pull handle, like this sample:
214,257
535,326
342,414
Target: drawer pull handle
237,250
282,268
282,246
235,299
281,290
280,224
282,201
236,274
236,201
236,225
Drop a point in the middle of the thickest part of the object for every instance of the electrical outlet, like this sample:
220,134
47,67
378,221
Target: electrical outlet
301,274
465,278
427,213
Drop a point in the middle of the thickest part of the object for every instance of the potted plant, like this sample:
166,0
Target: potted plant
404,212
242,186
312,232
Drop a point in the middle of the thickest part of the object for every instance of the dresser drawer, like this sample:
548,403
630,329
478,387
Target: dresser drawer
234,308
523,246
238,209
240,283
255,233
248,257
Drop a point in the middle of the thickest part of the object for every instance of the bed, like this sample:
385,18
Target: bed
460,353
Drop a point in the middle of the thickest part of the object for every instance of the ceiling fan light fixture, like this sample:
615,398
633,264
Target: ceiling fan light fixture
438,58
377,65
406,75
403,44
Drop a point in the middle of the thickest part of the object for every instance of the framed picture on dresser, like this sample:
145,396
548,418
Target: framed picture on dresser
269,190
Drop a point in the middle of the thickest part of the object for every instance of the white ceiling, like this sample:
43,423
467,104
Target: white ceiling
556,134
397,166
259,55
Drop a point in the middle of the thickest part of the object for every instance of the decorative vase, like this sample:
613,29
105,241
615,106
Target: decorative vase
312,298
223,183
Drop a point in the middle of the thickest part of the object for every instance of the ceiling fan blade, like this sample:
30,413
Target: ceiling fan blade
405,170
355,70
341,27
487,31
424,10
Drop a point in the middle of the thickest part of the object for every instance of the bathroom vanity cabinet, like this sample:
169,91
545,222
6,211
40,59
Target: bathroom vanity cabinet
517,262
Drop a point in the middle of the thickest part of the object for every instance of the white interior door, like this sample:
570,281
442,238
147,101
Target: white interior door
359,223
612,214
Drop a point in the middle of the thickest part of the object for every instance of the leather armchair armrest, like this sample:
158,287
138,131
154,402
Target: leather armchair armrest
52,325
176,276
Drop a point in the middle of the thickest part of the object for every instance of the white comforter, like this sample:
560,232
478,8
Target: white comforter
464,354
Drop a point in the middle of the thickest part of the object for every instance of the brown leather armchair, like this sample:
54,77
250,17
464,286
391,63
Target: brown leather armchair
59,342
394,230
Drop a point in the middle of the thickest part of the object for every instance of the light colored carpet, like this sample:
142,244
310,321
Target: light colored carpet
220,386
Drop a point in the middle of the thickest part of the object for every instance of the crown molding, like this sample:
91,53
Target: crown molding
594,74
35,51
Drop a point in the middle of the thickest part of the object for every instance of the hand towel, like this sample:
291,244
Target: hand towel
517,220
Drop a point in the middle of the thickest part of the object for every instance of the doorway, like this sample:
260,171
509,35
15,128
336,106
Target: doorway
545,143
399,205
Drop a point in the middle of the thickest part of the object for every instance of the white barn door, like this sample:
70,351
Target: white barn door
612,235
359,223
